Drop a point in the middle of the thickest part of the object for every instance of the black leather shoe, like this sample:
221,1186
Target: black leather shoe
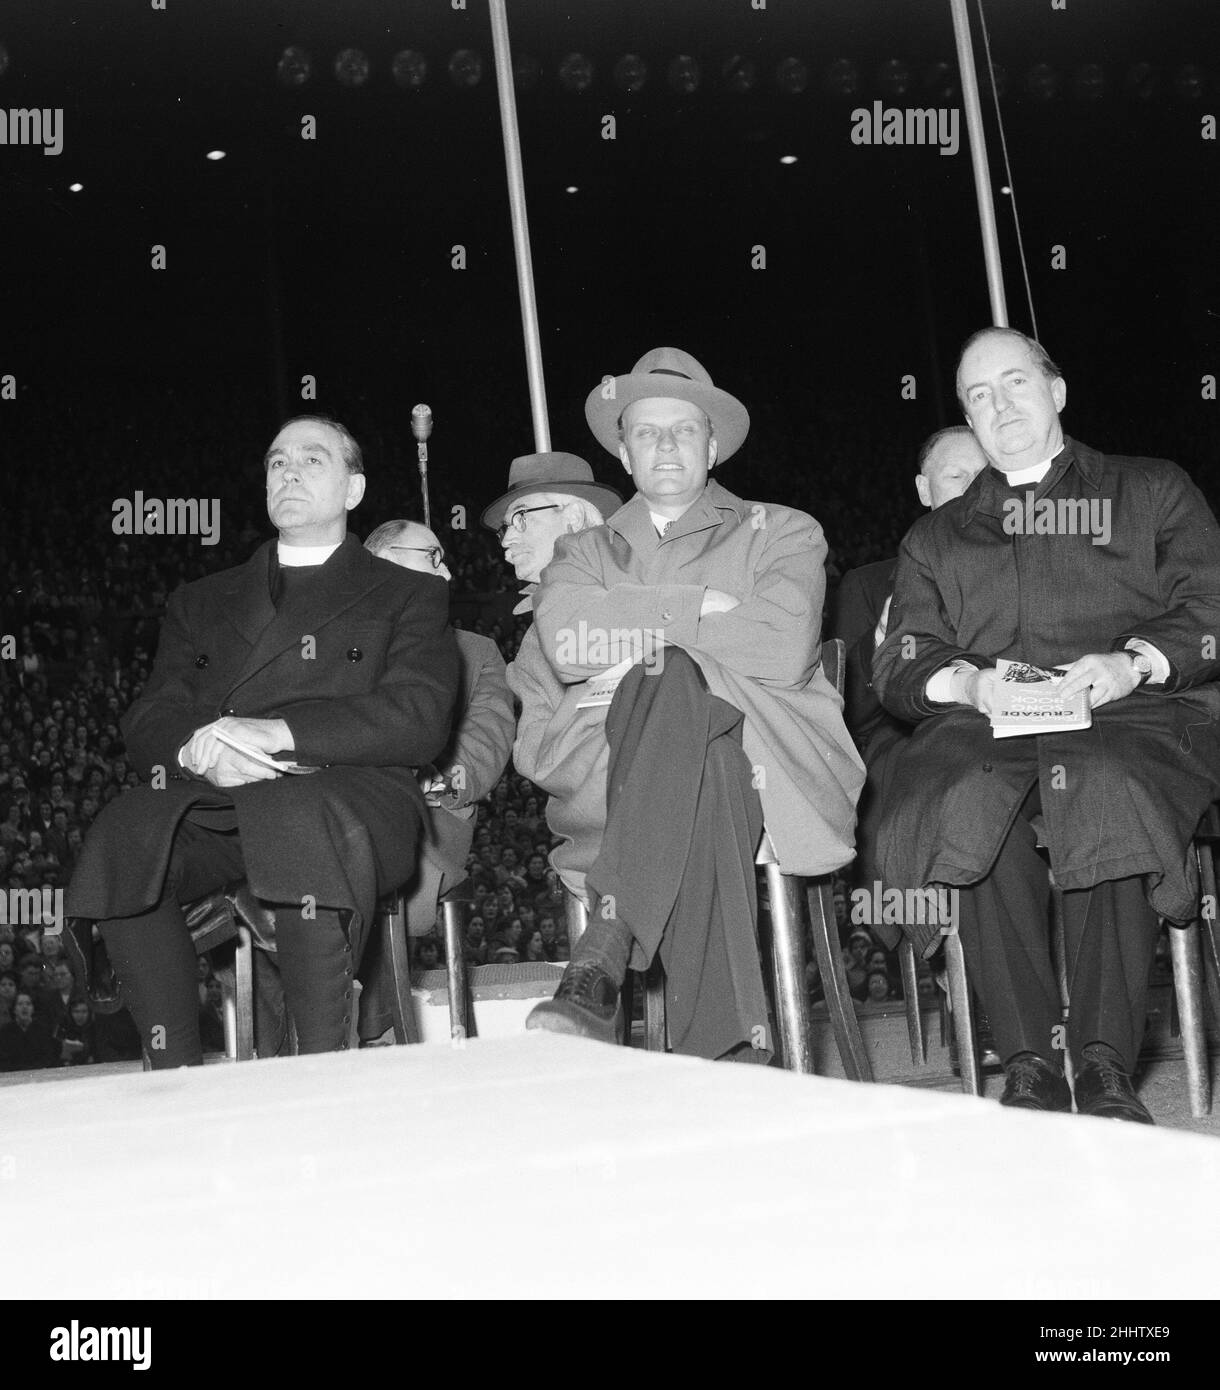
1104,1089
1031,1083
586,1005
91,966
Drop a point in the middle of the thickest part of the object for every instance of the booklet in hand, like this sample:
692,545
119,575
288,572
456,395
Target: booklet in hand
1030,703
260,757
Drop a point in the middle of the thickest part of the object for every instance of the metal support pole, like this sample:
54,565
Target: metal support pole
978,160
788,969
521,230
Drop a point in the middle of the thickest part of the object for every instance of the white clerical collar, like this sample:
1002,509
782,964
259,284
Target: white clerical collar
297,556
1024,476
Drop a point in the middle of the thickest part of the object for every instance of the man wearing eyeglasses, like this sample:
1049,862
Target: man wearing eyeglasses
466,770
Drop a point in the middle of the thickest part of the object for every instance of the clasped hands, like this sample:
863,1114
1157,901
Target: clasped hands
215,761
1107,676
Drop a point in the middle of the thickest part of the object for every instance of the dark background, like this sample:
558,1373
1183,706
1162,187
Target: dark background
332,257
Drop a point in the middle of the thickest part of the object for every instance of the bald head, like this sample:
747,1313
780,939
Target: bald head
409,544
948,463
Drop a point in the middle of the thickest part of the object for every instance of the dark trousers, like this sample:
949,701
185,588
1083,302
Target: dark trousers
1109,938
677,857
154,959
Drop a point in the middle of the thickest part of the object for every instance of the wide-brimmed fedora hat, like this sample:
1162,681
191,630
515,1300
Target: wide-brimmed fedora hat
555,472
670,372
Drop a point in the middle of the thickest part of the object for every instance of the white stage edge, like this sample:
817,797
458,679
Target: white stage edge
547,1167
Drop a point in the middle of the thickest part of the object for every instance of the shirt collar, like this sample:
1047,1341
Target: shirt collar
298,556
990,489
633,520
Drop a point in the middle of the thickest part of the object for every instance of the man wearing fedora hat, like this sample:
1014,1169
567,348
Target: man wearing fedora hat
549,495
659,794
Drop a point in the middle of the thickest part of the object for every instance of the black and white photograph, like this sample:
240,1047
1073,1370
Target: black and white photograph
609,684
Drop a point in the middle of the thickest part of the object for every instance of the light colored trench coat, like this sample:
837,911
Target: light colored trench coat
764,658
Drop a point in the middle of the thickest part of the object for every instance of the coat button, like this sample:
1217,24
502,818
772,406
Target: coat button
228,712
355,654
201,662
667,616
986,767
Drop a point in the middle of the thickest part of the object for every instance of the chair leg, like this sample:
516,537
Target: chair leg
402,1006
656,1021
910,992
1059,959
455,966
846,1026
578,918
628,1000
788,971
963,1017
1207,924
243,997
1188,987
228,1004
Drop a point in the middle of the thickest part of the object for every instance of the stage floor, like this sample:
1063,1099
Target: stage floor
548,1167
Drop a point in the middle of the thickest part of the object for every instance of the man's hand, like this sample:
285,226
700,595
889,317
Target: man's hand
1106,675
222,766
717,601
432,784
977,688
234,769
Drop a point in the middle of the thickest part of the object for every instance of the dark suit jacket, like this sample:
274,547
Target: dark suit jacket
475,756
479,747
363,668
1120,798
854,613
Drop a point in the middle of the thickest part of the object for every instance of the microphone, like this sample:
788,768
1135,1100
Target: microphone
421,428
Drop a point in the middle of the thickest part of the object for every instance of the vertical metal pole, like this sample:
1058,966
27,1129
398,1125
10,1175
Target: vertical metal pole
521,230
978,160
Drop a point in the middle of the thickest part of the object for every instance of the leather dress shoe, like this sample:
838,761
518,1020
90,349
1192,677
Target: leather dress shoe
1104,1089
1031,1083
91,966
586,1005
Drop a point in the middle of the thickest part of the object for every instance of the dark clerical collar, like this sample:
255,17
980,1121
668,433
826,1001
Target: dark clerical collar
285,581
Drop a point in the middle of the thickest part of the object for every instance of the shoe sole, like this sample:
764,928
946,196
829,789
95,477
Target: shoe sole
549,1018
1131,1117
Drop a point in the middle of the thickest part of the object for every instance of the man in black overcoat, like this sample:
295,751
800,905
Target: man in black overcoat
1109,567
313,654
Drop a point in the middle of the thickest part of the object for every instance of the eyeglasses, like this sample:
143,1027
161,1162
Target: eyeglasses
516,522
434,552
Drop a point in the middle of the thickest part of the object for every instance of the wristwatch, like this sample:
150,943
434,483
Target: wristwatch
1142,664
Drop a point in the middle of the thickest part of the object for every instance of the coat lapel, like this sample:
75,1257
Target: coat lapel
344,580
247,595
